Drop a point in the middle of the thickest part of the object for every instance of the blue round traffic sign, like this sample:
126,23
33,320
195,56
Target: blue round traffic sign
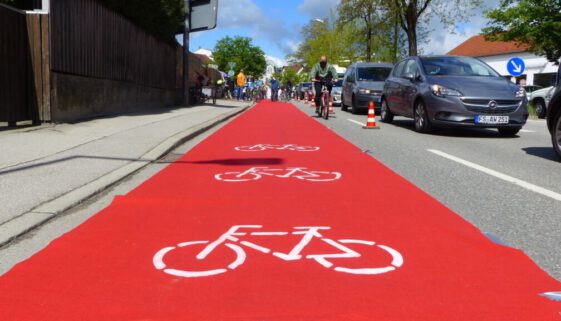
516,66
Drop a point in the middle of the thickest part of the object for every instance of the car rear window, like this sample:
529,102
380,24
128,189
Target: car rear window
373,73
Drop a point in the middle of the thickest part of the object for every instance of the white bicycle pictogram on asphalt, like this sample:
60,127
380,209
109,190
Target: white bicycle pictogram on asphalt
256,173
290,147
231,240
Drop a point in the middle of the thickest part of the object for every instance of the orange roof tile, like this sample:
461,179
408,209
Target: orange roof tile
477,46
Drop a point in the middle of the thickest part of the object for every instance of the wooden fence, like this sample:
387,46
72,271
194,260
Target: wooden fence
17,95
90,40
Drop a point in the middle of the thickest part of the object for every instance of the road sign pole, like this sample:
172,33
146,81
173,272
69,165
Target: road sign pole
186,55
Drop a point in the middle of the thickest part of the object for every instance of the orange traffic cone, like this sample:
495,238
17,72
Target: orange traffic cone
371,122
331,111
313,103
306,99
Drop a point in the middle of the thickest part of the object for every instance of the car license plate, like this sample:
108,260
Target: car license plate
491,120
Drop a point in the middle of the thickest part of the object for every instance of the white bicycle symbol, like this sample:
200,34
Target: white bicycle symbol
262,147
232,236
256,173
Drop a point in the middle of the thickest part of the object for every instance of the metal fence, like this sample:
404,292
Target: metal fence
90,40
17,95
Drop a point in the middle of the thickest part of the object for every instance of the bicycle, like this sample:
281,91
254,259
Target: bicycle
232,240
256,173
262,147
323,109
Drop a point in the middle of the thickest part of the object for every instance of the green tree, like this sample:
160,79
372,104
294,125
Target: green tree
243,53
289,74
412,13
162,18
533,22
376,28
338,43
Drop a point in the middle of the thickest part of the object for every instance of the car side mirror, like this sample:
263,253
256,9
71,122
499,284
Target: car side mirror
409,76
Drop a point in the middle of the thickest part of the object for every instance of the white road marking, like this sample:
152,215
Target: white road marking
527,131
356,122
510,179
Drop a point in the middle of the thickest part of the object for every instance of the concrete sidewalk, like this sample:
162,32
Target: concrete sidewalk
49,169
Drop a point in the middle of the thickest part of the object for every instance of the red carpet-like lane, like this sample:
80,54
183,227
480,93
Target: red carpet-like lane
275,217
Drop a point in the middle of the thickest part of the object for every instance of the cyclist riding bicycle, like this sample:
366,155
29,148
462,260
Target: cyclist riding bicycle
321,74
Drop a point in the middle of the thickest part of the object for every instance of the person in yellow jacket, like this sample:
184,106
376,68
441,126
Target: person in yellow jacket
241,84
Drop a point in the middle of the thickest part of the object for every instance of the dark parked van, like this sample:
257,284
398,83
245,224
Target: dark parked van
363,83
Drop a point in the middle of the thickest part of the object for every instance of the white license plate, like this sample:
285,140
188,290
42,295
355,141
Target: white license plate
491,120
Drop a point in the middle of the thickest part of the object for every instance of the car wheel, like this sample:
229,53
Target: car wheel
539,108
354,108
422,124
343,106
509,131
556,134
385,113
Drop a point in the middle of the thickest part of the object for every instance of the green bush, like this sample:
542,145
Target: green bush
20,4
162,18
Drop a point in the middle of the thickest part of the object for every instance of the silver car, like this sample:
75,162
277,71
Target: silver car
453,91
336,92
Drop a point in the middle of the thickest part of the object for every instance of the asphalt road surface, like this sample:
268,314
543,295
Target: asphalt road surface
510,188
518,216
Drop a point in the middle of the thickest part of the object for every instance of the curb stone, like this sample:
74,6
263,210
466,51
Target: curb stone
41,214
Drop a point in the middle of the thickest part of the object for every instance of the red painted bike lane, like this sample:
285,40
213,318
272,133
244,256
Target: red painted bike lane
275,217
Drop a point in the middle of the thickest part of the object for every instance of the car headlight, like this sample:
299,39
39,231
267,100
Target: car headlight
521,93
365,91
441,91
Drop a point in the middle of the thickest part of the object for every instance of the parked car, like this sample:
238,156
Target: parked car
540,100
453,91
554,116
363,83
302,88
336,92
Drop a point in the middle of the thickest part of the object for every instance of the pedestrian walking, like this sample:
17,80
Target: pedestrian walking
240,81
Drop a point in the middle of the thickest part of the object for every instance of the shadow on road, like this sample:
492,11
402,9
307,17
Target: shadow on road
542,152
459,132
239,161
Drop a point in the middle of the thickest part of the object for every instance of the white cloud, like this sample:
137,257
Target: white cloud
275,61
318,8
442,40
246,14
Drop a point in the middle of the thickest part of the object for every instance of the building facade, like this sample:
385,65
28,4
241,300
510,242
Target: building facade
539,71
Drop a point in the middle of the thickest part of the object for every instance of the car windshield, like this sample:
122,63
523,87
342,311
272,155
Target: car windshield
456,66
373,73
338,83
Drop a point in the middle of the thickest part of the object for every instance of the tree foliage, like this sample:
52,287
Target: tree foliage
533,22
412,13
162,18
20,4
243,53
338,43
376,28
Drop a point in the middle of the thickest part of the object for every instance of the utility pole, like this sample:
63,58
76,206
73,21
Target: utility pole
186,54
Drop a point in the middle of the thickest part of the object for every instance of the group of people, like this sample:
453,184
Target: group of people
248,88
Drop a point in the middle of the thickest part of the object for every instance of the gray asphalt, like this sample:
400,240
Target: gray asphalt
518,217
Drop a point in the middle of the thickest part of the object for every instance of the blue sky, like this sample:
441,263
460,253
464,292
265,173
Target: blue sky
275,25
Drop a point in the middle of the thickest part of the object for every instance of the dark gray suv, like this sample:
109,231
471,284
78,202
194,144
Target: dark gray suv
363,83
554,116
453,91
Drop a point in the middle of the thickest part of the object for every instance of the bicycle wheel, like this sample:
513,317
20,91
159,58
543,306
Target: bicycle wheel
397,260
318,176
235,177
159,262
325,109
